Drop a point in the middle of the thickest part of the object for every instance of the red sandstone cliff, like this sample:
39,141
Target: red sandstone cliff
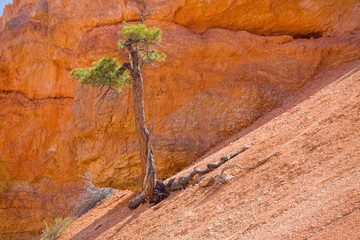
229,62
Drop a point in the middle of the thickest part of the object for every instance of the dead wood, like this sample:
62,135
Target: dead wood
162,190
221,179
149,182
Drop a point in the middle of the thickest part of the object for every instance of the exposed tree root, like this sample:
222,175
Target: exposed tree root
221,179
163,190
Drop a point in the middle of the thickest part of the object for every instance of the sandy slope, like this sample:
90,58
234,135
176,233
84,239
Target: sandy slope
310,191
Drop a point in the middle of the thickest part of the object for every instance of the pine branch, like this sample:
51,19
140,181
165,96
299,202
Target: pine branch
161,45
104,95
150,63
145,50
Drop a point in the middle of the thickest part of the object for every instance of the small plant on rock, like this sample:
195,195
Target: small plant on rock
91,197
55,230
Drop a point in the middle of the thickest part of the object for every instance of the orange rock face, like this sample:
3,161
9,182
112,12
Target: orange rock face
211,87
310,190
38,180
220,76
299,18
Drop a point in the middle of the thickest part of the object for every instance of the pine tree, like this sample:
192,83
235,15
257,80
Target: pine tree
140,42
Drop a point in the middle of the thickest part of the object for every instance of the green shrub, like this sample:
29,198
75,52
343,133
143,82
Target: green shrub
55,230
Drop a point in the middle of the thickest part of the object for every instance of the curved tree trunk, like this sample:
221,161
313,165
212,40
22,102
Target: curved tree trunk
146,153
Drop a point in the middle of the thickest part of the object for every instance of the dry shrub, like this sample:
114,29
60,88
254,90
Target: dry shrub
91,197
55,230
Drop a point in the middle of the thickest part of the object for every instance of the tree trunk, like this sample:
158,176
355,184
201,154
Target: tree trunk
146,153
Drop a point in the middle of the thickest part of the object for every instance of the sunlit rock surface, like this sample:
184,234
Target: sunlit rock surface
229,62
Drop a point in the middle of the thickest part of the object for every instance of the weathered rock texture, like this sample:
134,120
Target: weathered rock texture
229,63
38,180
212,86
311,190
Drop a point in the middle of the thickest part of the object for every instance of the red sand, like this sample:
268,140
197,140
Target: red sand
310,191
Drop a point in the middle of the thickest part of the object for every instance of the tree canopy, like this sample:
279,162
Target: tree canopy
109,72
106,72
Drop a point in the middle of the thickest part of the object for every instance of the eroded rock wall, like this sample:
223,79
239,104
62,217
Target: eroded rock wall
229,62
38,179
212,86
